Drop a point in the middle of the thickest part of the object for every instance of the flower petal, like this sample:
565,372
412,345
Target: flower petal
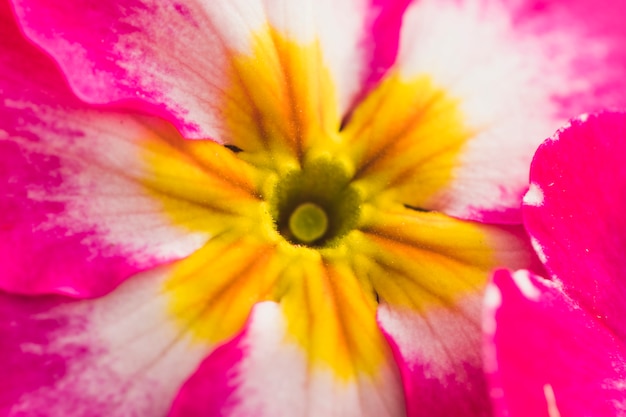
121,354
545,355
88,197
429,271
174,56
439,352
263,372
574,212
512,70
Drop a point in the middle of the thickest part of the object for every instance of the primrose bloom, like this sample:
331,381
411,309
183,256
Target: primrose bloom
558,347
272,207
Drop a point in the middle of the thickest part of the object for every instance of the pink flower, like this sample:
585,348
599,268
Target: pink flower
272,207
557,347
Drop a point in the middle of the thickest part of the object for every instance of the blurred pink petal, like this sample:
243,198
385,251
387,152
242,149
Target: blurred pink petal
547,356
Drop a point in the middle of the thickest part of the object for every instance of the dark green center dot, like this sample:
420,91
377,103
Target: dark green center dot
315,206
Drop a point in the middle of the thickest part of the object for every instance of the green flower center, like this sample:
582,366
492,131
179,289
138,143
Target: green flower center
308,223
316,205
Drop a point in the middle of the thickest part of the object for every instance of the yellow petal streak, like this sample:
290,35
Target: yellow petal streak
201,185
331,316
280,101
213,291
405,139
429,260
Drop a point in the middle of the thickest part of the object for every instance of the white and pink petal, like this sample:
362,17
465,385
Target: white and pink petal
439,354
263,373
90,197
429,272
121,354
517,77
75,219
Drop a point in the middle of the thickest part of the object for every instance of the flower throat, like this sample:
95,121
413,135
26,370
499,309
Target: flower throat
315,206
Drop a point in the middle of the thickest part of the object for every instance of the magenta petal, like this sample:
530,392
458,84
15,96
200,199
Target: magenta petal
72,220
25,366
383,39
545,355
574,212
210,391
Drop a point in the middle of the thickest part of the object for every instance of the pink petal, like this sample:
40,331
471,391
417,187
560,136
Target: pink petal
119,355
519,70
574,212
171,56
262,373
439,351
73,220
546,356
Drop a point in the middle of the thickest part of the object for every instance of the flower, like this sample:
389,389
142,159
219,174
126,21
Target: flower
324,253
556,347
